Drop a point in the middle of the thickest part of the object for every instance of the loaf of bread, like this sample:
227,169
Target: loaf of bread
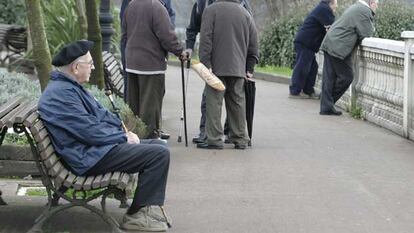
208,76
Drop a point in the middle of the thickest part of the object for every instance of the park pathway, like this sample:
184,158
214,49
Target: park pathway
304,174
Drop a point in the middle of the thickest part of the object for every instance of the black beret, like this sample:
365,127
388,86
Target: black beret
70,52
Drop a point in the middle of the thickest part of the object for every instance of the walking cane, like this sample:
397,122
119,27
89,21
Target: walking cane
108,92
184,89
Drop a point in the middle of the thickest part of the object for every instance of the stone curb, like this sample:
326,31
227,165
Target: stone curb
258,75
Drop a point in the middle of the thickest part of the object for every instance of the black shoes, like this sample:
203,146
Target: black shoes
332,112
240,146
164,135
199,139
208,146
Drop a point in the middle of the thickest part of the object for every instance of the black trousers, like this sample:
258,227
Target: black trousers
145,96
336,78
150,159
305,71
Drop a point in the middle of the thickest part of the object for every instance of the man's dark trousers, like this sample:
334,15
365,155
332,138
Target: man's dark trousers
145,95
150,159
305,71
336,78
202,134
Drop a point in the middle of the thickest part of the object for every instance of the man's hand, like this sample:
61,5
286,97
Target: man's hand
249,75
189,52
132,138
183,56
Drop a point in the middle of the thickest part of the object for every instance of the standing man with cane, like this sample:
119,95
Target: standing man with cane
192,30
149,37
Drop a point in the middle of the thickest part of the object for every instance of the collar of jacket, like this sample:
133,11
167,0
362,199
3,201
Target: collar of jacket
236,1
366,4
57,75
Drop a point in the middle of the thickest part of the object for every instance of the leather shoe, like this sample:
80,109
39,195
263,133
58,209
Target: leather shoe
240,146
164,135
198,140
208,146
332,112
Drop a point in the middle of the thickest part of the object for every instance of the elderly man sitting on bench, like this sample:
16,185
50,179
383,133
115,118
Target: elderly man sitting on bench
91,141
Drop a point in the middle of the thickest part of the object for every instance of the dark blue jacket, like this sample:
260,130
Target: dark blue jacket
313,29
81,129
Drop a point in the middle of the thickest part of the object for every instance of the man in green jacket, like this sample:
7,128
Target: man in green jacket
343,37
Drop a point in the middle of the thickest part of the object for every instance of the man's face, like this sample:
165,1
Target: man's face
373,5
333,5
82,68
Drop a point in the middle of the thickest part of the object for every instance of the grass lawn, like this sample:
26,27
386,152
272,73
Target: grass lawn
285,71
277,70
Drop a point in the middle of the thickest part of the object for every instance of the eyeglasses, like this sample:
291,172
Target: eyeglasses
90,63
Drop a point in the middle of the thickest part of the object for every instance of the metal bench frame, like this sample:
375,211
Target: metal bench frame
113,74
23,117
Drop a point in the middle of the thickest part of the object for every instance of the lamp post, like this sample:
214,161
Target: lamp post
105,20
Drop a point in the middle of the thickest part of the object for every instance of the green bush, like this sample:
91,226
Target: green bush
392,18
12,12
61,22
276,43
15,84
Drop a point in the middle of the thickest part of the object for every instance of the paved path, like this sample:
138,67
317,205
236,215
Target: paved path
305,173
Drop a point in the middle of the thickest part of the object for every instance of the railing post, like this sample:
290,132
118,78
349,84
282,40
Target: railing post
105,20
408,36
353,95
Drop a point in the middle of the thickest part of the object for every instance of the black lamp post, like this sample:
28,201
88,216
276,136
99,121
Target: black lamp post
105,20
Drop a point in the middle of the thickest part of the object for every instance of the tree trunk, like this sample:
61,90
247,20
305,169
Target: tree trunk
94,34
41,53
80,11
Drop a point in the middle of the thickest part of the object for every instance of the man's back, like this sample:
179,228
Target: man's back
229,29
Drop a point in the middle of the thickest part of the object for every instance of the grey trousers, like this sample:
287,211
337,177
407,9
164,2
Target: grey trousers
337,76
235,101
145,95
151,159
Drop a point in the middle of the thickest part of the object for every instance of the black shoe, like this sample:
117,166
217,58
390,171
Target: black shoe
164,135
208,146
199,139
240,146
333,112
227,139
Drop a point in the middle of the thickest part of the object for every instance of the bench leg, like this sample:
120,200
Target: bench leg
1,199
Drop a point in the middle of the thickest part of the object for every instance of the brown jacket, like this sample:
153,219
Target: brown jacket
150,36
228,40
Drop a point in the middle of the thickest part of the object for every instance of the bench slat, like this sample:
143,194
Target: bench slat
52,160
88,183
53,171
31,119
106,180
24,114
37,127
79,183
41,146
69,180
9,105
115,178
61,177
97,182
9,115
41,135
12,118
48,152
123,181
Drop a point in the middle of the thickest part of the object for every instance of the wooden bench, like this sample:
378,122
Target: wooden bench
113,74
56,177
14,39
